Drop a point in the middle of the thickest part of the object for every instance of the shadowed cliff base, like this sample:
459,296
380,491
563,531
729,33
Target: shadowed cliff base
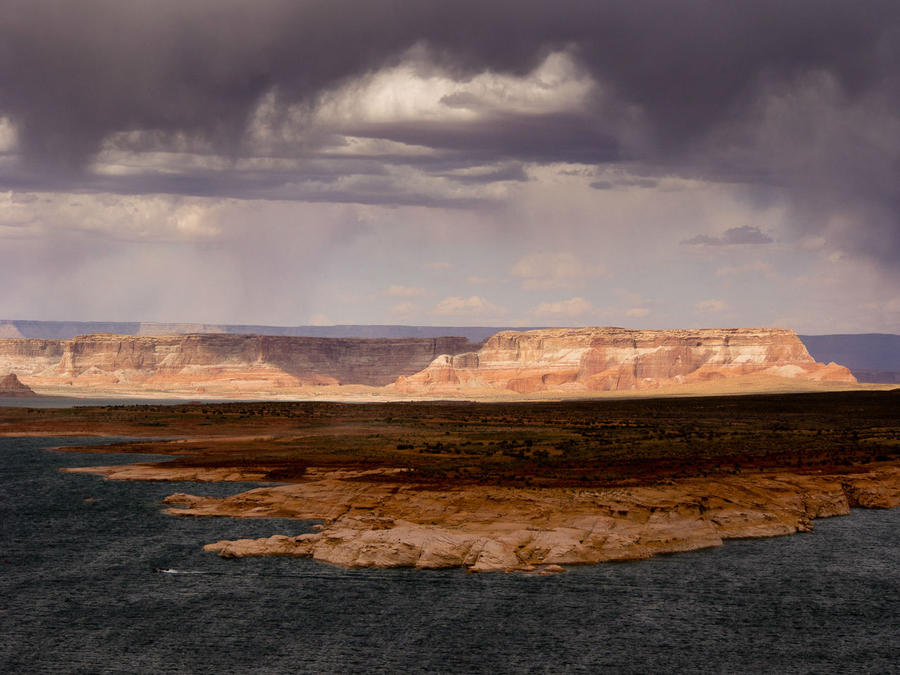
513,485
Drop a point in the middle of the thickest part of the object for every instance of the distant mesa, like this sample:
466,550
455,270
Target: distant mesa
217,364
11,387
616,359
873,357
9,330
577,361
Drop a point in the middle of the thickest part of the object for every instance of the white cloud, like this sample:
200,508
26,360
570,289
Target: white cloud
471,306
547,271
710,306
335,130
891,306
637,312
134,218
483,281
438,266
9,137
320,320
813,243
400,291
572,308
414,91
404,309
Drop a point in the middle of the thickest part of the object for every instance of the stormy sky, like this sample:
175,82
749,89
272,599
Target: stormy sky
502,162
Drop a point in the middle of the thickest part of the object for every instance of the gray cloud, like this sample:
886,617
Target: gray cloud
790,95
734,236
630,182
509,172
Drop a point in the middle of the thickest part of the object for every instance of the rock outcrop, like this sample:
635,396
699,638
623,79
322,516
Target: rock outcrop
608,359
10,387
370,521
493,529
218,364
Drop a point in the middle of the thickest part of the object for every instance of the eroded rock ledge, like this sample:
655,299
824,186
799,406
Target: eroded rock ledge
379,523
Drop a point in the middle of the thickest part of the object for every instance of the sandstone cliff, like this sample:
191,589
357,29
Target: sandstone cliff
223,364
10,387
574,360
603,359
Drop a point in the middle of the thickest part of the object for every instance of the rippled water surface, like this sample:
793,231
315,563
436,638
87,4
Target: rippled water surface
78,593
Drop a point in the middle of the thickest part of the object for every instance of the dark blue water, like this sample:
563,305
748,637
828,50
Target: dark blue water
78,593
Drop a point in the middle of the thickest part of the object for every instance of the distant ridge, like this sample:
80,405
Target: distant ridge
871,357
64,330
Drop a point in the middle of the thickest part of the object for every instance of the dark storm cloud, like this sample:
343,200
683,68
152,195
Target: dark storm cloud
71,73
549,137
74,71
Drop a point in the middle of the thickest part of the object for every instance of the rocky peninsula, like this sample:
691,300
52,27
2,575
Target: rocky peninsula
524,486
368,520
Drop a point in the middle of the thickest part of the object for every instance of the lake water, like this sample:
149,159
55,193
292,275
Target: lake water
78,593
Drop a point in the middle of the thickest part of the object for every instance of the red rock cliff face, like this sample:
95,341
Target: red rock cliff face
584,359
600,359
220,363
29,357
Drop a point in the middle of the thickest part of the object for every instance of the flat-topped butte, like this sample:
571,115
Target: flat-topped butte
511,363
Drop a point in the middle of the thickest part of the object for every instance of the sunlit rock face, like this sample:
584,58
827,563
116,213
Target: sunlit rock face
29,358
488,528
216,363
608,359
552,360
